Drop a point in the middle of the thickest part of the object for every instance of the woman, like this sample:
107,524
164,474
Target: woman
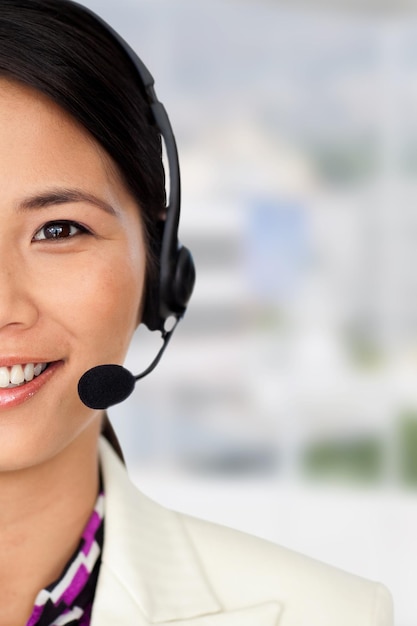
82,216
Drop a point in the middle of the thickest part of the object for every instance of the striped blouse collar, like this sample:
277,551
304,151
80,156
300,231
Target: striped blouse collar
68,600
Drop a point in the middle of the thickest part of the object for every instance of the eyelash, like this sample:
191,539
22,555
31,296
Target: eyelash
60,226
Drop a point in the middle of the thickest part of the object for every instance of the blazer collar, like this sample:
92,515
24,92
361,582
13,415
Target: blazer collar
149,566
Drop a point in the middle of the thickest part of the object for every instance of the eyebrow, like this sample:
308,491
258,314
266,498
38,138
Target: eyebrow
63,196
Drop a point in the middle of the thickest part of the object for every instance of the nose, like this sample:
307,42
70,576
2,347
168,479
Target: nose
17,306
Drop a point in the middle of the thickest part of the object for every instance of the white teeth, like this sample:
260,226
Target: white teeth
4,377
29,371
37,369
19,374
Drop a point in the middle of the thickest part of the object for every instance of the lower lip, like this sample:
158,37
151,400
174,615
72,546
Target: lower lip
17,395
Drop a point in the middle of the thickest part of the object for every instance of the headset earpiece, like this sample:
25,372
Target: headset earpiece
176,285
184,279
167,295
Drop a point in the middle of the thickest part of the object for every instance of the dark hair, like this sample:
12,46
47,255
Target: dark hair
60,49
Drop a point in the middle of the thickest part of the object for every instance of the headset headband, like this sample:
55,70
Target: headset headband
176,266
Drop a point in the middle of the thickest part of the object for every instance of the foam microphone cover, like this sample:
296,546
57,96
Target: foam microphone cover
105,385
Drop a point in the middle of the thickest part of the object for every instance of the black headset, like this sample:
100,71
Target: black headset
168,294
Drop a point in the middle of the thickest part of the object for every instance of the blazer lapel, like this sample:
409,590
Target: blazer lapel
148,554
117,606
150,573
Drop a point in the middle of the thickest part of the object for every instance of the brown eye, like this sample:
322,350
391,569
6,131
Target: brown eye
58,230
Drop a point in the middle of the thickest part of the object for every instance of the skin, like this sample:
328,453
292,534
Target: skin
73,301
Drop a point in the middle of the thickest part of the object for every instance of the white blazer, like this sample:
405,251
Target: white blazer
162,567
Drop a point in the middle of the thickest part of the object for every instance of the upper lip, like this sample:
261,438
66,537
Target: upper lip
19,360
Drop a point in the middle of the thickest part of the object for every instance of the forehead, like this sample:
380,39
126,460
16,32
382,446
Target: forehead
40,142
30,112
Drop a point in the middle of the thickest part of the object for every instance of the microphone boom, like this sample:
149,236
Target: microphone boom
105,385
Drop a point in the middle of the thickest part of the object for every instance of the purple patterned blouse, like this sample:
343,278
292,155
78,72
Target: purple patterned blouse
68,601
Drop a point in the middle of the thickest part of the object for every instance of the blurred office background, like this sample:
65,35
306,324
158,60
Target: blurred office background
286,404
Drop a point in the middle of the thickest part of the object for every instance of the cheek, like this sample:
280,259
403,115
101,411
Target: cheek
99,302
116,304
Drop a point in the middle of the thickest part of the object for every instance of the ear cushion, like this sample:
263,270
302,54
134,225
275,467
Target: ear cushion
183,282
169,294
177,280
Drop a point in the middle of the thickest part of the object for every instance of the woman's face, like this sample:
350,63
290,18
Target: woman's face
72,266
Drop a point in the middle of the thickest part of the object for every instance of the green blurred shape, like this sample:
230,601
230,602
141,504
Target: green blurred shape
364,350
407,438
345,161
350,460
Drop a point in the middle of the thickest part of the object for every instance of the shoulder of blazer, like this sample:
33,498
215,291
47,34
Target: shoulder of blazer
161,567
243,566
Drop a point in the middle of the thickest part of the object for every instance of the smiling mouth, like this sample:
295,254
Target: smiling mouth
20,374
